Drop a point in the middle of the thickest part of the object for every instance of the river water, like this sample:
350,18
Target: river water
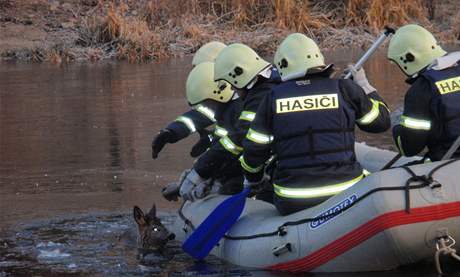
75,158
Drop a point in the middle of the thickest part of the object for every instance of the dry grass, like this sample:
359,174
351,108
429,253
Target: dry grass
451,34
262,24
456,27
54,57
126,36
135,41
379,13
292,14
395,12
142,30
5,4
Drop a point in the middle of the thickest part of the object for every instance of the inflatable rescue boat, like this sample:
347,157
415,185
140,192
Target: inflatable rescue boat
390,218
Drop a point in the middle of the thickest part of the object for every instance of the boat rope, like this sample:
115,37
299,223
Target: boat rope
187,222
423,180
444,246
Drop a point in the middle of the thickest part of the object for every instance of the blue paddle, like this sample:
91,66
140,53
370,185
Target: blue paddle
214,227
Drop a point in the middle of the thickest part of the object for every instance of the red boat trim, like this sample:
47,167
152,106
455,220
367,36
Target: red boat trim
366,231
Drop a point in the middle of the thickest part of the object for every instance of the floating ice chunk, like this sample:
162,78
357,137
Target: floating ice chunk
53,254
48,244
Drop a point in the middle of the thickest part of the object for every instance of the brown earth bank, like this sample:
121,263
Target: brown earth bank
149,30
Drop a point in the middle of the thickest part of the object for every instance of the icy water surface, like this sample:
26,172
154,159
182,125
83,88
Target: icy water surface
75,158
97,244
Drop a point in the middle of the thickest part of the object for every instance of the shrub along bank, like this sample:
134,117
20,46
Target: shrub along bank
141,30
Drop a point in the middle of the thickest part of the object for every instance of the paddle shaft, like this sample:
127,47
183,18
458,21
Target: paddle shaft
387,33
452,149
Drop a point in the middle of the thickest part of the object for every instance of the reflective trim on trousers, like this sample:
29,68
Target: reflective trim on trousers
249,168
315,192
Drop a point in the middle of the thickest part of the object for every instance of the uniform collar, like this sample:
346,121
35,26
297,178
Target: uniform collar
324,72
440,63
411,79
446,61
264,74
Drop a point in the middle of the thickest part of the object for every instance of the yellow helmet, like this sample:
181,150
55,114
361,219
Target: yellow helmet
200,85
208,52
413,48
296,55
238,64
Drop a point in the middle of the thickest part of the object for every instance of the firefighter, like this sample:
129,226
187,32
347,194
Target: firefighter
252,77
200,117
308,120
431,116
201,88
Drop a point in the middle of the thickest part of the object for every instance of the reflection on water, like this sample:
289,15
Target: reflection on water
76,140
79,136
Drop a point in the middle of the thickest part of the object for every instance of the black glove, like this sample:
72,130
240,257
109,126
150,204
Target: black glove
203,144
163,137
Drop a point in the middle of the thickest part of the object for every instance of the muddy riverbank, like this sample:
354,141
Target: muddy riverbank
146,30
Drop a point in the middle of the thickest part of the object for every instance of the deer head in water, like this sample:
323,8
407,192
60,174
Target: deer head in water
152,235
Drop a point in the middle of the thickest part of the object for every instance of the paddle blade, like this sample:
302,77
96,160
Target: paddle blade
214,227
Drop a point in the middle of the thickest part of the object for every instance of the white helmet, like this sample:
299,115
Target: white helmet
296,55
208,52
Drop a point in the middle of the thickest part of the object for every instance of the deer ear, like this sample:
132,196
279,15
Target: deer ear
153,212
139,216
